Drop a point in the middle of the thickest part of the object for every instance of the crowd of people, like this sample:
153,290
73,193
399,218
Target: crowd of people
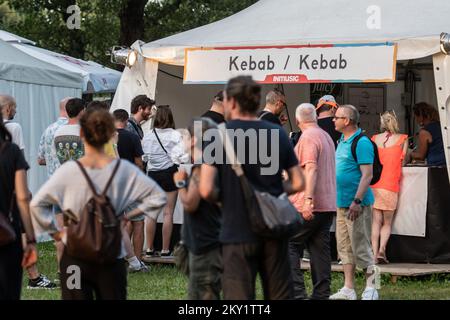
328,170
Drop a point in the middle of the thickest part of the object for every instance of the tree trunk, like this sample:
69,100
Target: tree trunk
131,21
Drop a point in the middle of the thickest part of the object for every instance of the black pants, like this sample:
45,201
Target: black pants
315,236
11,270
81,280
269,258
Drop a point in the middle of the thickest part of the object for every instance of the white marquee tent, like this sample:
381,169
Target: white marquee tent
96,78
37,87
414,25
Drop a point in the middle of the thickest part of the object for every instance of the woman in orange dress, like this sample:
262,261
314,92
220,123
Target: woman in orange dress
392,148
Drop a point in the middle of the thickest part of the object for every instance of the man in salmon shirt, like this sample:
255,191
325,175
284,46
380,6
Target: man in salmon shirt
317,204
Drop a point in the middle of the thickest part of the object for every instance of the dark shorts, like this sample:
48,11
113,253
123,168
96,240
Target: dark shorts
165,178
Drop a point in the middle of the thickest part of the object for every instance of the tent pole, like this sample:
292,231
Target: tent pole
441,65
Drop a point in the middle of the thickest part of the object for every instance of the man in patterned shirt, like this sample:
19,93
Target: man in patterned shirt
47,157
47,152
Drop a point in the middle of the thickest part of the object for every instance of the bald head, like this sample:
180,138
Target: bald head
62,107
7,107
306,112
6,100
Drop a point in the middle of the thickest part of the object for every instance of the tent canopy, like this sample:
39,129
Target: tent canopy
415,25
17,66
96,78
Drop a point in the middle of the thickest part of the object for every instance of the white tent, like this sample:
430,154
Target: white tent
96,78
37,87
414,25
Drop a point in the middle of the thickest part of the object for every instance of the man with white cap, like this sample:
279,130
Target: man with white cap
326,107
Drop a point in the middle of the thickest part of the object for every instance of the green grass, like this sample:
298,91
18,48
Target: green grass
165,282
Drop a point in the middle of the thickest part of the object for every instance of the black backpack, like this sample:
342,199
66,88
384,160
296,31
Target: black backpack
377,166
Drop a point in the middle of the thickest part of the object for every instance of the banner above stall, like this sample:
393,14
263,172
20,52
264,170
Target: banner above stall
368,62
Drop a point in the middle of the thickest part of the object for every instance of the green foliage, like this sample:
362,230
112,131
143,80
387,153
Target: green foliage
44,21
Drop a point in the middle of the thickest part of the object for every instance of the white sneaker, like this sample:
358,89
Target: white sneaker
369,294
344,294
142,268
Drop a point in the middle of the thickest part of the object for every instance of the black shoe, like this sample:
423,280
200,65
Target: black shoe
42,282
150,253
167,254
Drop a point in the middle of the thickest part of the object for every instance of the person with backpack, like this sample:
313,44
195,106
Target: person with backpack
14,193
392,148
355,156
93,192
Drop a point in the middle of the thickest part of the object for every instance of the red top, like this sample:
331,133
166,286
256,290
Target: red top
391,158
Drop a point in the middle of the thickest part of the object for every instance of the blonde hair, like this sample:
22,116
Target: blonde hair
389,122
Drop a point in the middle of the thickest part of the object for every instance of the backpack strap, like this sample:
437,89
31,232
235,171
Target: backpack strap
113,174
355,144
89,181
91,184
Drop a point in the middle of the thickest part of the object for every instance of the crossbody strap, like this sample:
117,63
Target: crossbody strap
229,150
136,128
157,137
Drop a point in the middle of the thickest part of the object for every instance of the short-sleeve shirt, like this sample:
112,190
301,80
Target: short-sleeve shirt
47,148
348,172
315,146
129,145
135,127
235,220
214,116
269,116
11,160
16,133
327,124
68,143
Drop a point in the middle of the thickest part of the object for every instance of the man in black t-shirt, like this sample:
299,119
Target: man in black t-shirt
244,253
216,111
275,104
129,147
326,107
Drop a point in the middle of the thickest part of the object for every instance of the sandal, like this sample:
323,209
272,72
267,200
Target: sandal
381,259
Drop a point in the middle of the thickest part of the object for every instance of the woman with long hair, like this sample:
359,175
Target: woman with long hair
14,194
430,146
163,150
392,148
70,188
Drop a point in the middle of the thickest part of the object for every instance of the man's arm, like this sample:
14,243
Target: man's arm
41,151
139,163
295,182
207,186
190,196
366,177
364,183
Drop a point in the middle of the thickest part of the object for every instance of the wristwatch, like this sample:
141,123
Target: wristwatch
181,184
357,201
